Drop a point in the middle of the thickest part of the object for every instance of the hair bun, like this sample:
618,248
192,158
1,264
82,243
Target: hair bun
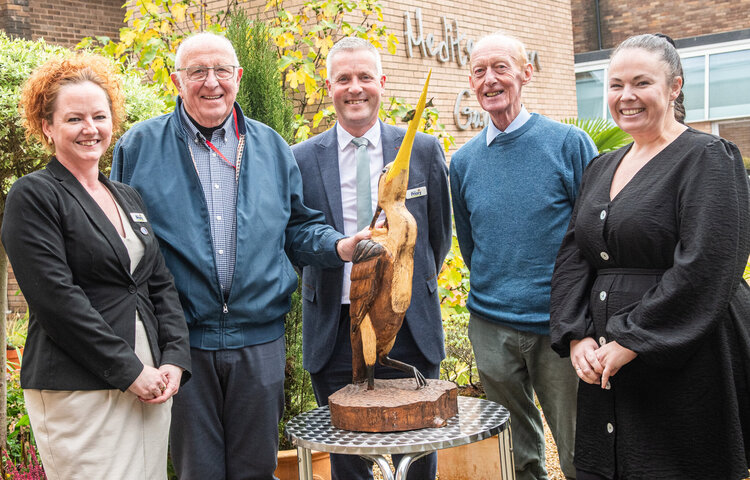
665,37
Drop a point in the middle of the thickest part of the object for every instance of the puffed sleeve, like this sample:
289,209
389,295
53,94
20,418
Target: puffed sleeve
675,316
572,279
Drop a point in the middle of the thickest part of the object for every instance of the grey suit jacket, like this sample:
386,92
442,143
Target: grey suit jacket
321,288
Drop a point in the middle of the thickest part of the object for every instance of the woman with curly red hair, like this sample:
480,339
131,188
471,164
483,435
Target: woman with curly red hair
107,345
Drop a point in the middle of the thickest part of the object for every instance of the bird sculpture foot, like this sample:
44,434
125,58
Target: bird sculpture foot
421,381
370,377
405,367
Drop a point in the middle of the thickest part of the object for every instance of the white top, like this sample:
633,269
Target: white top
348,178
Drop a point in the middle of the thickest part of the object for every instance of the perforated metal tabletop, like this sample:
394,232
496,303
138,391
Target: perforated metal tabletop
476,420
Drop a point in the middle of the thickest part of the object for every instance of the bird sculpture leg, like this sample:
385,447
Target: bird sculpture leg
375,217
369,346
405,367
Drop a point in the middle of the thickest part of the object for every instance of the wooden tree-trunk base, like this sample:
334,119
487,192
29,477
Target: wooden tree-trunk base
393,406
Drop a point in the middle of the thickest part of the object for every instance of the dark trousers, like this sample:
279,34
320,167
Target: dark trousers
338,373
225,420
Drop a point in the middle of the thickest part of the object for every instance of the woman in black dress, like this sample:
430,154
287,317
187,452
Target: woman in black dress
648,298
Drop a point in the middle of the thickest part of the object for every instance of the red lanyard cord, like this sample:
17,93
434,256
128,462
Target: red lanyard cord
212,147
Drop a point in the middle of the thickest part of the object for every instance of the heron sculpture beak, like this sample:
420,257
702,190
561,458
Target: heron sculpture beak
401,163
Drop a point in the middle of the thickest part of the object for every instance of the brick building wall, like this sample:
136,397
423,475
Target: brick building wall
63,22
66,22
14,18
544,26
16,302
739,132
687,18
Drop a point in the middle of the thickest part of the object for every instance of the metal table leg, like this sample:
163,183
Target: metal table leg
304,463
382,464
405,463
507,463
401,469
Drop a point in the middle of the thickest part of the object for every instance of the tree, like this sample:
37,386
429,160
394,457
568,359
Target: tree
20,155
260,94
302,37
156,29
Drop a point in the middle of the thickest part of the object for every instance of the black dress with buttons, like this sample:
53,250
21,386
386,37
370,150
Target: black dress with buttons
659,270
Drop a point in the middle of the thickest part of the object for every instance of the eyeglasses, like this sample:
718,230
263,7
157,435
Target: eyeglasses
199,73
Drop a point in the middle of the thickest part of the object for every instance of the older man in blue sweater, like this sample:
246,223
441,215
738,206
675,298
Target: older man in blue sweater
513,188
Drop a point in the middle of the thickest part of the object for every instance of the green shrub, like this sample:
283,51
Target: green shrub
606,135
459,365
18,58
21,455
20,156
260,94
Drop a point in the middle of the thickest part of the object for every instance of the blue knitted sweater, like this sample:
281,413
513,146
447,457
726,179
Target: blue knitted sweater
512,202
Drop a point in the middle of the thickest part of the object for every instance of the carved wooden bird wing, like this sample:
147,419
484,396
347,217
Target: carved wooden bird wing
369,261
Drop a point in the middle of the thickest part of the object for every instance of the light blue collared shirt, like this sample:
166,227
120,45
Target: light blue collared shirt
522,117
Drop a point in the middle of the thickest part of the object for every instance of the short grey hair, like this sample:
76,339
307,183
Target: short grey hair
196,40
350,44
521,56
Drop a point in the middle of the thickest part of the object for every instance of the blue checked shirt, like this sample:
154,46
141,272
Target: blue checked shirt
219,184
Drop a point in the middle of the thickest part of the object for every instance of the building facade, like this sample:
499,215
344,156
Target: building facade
713,40
62,22
432,35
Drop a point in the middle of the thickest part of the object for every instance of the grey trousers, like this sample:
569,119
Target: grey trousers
225,420
513,365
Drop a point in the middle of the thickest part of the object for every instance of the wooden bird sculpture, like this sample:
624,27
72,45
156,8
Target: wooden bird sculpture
382,269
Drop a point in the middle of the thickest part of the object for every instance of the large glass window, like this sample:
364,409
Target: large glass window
721,93
694,89
729,84
590,91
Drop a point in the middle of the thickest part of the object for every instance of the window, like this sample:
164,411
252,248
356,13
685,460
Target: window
729,84
694,89
717,84
589,88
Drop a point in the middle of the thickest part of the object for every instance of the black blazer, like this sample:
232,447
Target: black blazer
74,271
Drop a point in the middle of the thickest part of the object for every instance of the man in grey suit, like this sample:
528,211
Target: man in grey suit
329,164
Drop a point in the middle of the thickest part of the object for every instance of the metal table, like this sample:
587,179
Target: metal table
476,420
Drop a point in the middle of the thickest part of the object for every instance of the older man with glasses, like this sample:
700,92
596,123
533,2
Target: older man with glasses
224,196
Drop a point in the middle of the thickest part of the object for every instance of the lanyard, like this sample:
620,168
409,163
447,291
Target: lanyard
236,130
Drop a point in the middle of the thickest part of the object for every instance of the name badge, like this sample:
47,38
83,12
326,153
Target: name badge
138,217
416,192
